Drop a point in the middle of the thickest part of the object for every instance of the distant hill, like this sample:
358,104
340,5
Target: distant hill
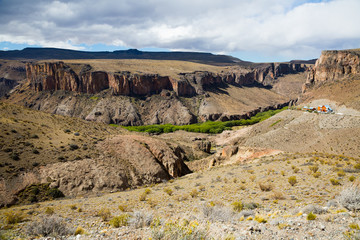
56,53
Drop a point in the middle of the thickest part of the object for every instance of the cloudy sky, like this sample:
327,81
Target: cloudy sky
253,30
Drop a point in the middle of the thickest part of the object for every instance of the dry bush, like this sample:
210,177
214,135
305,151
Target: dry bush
217,213
349,198
169,191
49,226
314,168
13,217
277,195
140,219
104,213
265,186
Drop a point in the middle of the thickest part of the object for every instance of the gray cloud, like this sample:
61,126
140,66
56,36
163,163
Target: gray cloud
284,28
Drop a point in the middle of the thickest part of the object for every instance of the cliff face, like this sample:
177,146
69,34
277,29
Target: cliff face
60,76
333,65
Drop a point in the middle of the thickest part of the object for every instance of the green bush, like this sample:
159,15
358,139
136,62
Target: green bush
120,221
237,206
292,180
311,216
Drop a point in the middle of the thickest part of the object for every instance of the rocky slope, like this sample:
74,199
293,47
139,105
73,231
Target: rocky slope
133,93
11,74
78,157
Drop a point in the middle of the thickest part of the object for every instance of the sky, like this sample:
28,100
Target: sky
252,30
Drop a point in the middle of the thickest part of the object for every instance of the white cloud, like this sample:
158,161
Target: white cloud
279,28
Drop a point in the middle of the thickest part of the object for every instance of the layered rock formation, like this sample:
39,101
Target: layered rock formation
333,65
60,76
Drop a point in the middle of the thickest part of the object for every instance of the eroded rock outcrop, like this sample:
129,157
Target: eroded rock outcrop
333,65
128,161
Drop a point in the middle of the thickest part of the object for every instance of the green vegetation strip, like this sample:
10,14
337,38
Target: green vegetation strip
206,127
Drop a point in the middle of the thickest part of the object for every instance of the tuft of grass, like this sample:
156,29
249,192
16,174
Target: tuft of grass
237,206
292,180
79,231
341,173
314,168
104,213
317,174
334,182
194,193
169,191
265,187
120,221
73,207
260,219
311,216
49,210
354,226
13,217
352,178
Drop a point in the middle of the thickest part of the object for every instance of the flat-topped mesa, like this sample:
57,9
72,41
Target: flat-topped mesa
333,65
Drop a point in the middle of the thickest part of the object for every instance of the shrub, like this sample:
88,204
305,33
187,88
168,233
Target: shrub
140,220
350,198
317,174
104,213
265,187
55,193
314,168
334,181
352,178
48,226
67,131
357,166
341,173
260,219
49,210
34,136
13,217
143,196
169,191
15,156
311,216
277,195
147,191
73,207
176,230
119,221
354,226
194,193
237,206
73,147
35,151
292,180
123,208
79,231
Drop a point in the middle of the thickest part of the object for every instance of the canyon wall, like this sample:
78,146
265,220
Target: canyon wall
333,65
60,76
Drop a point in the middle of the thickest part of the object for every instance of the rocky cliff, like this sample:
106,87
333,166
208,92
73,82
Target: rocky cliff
140,97
333,65
60,76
